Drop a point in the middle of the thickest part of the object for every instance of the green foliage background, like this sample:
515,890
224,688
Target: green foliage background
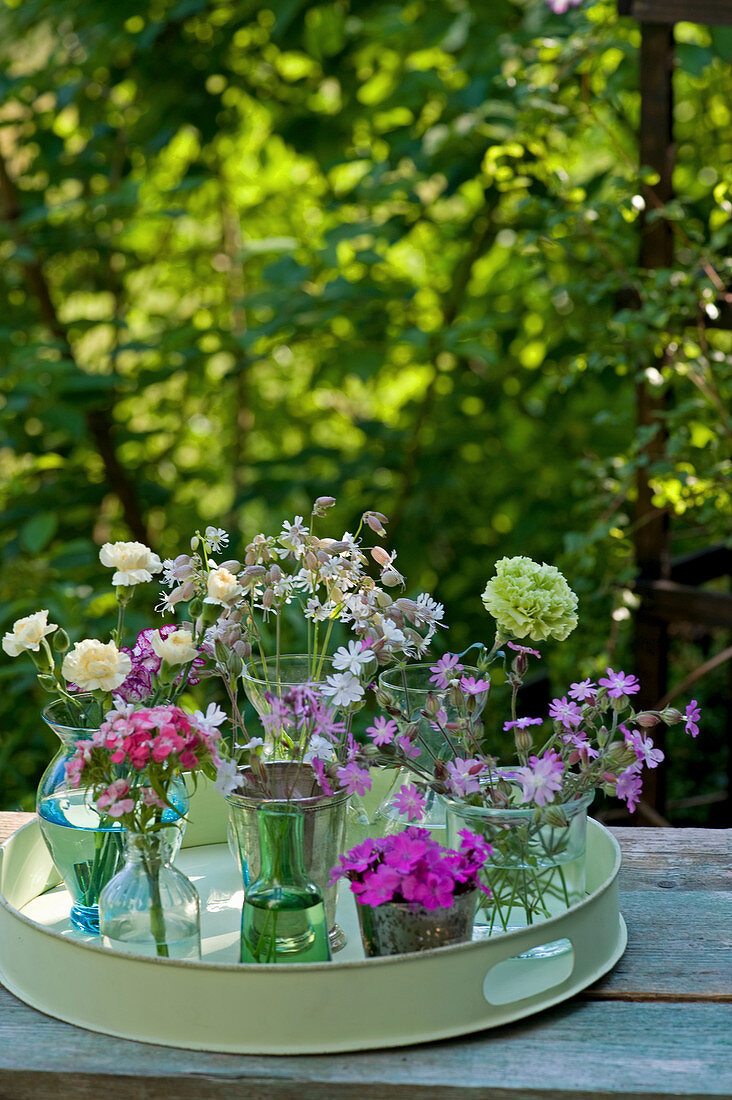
251,253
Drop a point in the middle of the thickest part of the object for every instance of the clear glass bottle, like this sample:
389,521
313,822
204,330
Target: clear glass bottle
150,907
85,846
283,918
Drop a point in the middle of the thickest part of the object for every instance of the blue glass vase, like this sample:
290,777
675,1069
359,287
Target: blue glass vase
85,846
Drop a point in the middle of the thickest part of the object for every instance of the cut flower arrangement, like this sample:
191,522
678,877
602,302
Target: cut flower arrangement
518,823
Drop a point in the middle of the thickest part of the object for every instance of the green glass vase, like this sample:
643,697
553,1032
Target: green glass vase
283,918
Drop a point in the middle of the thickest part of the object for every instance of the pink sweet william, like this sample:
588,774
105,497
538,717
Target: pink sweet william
412,867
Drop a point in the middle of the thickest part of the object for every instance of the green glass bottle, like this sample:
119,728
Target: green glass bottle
283,919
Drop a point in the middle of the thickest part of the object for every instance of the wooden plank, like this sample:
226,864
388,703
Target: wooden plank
668,602
712,12
10,821
579,1051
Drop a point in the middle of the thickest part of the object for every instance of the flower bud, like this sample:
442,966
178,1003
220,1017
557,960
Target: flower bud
311,561
647,719
195,608
232,565
60,641
524,741
376,522
268,599
520,664
391,578
47,682
432,705
383,599
380,556
455,695
275,573
194,542
670,716
322,504
555,815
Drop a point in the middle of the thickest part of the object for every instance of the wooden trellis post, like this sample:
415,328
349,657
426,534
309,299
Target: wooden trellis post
664,598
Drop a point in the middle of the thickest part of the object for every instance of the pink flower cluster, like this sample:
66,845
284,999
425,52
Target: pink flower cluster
157,741
412,867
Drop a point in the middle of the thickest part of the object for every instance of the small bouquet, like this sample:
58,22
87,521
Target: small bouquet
412,893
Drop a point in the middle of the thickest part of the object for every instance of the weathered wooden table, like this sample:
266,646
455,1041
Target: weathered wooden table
660,1025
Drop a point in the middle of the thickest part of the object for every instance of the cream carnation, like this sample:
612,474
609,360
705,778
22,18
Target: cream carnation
96,666
28,633
176,649
527,598
223,587
134,562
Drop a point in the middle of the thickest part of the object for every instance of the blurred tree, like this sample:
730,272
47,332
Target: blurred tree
252,254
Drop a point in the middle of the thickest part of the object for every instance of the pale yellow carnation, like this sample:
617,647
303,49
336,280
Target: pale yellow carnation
222,586
28,633
96,666
134,562
526,598
176,649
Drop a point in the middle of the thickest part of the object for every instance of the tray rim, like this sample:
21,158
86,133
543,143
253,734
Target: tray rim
309,968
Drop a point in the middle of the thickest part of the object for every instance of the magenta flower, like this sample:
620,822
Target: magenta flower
445,670
568,714
692,715
542,778
644,749
383,731
408,747
619,684
628,787
319,768
464,775
356,780
381,886
471,686
523,649
583,691
521,724
410,802
406,850
436,891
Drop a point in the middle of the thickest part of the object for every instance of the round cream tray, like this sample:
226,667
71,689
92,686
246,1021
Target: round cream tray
352,1003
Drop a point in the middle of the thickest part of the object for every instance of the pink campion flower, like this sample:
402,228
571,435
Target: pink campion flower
619,684
383,731
583,691
446,669
523,649
521,724
410,750
628,787
471,686
644,749
568,714
464,775
691,718
356,780
578,738
319,768
151,799
410,802
359,859
542,778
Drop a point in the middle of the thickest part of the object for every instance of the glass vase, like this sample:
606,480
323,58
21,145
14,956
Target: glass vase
276,676
85,846
537,869
396,927
323,820
283,917
407,690
150,907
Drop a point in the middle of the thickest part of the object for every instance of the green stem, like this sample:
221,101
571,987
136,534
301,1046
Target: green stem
157,918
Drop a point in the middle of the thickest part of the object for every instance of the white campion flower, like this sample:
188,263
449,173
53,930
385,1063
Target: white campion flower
319,748
391,633
430,611
134,562
227,777
223,587
352,659
318,611
210,721
344,688
96,666
216,537
28,633
176,649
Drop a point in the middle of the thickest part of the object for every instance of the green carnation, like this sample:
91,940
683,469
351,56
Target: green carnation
527,598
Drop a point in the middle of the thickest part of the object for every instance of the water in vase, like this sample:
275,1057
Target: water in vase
283,928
